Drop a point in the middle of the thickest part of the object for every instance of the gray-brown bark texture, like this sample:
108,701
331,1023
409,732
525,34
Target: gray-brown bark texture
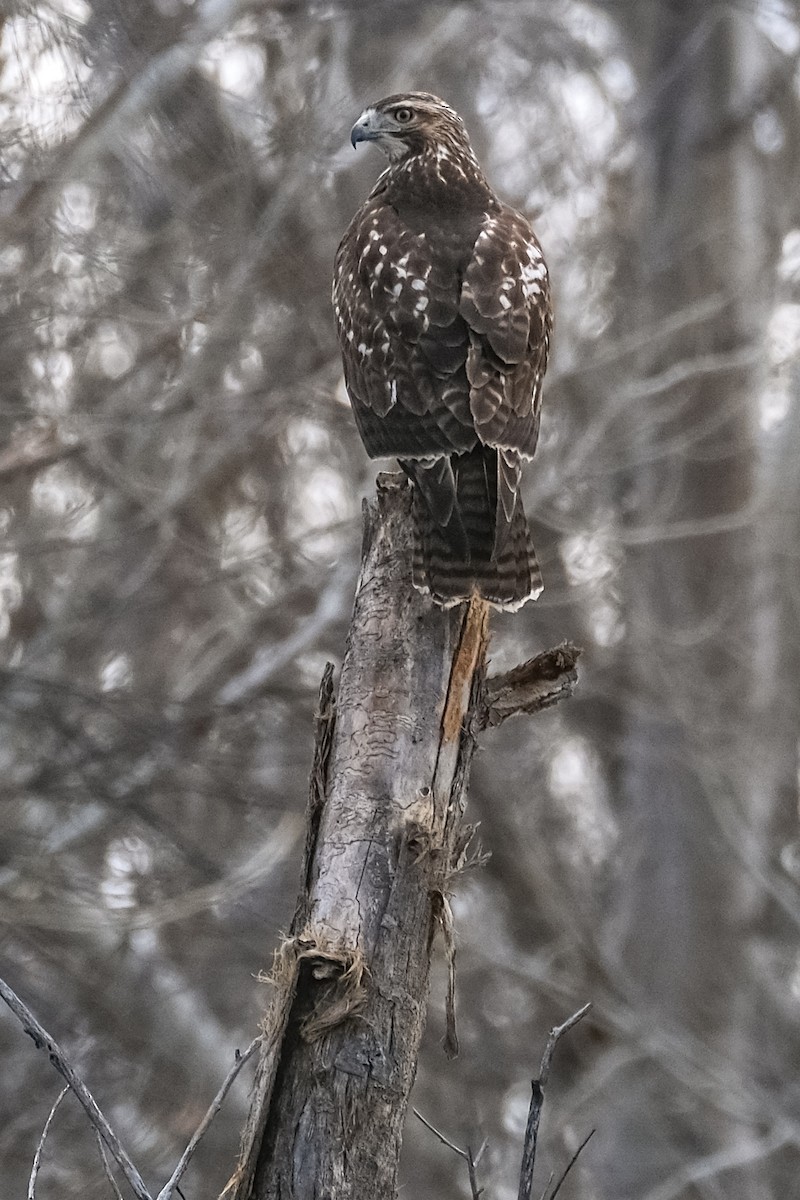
388,790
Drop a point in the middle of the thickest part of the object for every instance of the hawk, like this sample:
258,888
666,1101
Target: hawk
442,304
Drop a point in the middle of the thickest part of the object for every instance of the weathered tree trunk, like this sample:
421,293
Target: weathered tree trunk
689,757
388,791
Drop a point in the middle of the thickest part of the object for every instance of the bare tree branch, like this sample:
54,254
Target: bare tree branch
571,1164
37,1158
532,1129
34,446
43,1041
125,104
471,1160
107,1166
445,1141
537,1101
172,1183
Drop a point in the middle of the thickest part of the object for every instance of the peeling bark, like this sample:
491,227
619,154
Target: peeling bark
388,790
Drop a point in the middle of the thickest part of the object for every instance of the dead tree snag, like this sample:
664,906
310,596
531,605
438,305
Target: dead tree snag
388,791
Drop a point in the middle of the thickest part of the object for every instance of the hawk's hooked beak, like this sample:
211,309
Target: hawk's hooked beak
367,128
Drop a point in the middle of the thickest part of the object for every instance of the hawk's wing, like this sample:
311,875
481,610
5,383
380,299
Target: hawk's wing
505,301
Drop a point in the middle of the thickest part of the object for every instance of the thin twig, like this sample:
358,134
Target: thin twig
172,1183
445,1141
472,1164
482,1151
570,1165
37,1158
43,1041
107,1166
537,1100
470,1159
556,1033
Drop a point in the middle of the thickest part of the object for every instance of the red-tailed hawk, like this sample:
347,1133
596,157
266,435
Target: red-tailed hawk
443,311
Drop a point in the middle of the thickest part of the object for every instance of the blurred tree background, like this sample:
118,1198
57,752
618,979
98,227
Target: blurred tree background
180,529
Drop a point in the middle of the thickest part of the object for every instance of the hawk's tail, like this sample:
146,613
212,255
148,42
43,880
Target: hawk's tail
500,561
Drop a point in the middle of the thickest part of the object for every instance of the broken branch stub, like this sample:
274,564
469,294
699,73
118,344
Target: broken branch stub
536,684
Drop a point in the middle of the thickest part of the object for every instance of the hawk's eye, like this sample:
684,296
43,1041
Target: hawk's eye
403,115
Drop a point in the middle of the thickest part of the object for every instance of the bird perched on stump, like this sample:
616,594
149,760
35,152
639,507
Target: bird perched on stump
442,305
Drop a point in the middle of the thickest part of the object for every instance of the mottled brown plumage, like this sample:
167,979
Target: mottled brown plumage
443,312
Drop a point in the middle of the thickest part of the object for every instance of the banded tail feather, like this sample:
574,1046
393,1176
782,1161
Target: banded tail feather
467,540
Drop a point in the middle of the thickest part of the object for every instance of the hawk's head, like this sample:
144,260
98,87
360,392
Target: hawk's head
409,123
